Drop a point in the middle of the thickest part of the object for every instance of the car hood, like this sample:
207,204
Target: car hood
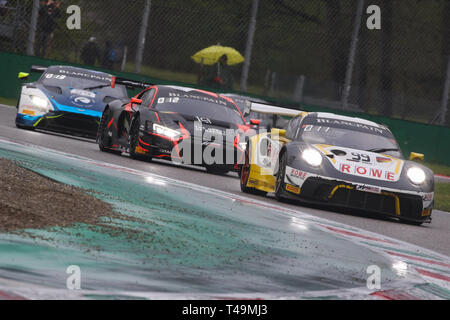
363,163
73,97
193,124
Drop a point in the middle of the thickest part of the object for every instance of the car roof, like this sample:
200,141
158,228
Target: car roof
209,96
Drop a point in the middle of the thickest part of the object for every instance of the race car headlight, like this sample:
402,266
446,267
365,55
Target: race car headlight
164,131
416,175
39,102
312,157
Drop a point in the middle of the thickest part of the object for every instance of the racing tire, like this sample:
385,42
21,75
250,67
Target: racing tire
244,175
134,139
216,170
279,184
103,140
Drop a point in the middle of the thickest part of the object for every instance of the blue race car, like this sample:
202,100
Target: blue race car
66,99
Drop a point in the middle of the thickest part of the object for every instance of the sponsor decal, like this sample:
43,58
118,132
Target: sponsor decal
374,173
28,112
428,196
82,93
344,123
191,96
297,173
78,74
383,160
293,189
364,164
81,101
371,189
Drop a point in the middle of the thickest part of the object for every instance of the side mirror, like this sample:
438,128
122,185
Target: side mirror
416,156
255,122
23,75
278,132
136,101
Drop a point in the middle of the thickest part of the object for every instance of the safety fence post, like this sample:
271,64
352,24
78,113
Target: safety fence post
351,57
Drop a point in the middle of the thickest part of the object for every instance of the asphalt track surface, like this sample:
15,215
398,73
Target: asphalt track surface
434,236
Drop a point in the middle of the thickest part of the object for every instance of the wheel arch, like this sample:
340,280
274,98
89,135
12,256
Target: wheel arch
280,154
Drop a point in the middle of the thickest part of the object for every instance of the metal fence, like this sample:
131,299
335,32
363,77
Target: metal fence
319,52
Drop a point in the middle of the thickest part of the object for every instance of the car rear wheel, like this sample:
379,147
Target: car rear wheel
245,175
103,138
216,170
279,186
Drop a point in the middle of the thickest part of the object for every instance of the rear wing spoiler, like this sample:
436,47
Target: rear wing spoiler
271,109
38,69
35,69
277,114
130,83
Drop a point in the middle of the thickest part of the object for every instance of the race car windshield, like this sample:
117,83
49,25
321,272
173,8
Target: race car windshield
349,138
197,107
272,120
66,81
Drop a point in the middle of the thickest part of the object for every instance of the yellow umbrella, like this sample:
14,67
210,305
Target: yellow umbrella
212,54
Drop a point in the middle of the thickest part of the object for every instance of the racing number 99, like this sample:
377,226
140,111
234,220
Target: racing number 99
358,157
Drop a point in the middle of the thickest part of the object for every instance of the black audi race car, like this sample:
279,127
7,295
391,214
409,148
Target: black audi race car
184,125
66,99
339,161
244,103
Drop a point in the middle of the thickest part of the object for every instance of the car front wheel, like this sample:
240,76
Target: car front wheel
280,186
245,175
134,140
103,138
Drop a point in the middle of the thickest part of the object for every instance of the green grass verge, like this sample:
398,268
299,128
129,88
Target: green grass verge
442,196
163,74
8,101
438,168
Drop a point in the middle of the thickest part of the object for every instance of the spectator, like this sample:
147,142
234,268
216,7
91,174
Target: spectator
110,56
3,8
90,53
220,76
48,13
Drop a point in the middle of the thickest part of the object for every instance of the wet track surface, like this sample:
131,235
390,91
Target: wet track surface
174,238
180,240
434,236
